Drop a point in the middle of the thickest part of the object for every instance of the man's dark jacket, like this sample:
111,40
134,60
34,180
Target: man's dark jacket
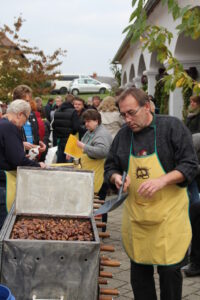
48,109
66,121
193,123
174,146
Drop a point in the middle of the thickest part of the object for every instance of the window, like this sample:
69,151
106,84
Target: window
81,81
67,77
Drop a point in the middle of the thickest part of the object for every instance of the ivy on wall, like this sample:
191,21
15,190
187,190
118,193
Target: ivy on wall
187,93
161,98
161,94
144,81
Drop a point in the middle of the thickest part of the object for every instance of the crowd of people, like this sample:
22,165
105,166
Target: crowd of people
159,153
28,129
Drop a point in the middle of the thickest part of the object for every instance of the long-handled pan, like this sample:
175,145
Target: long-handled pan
115,201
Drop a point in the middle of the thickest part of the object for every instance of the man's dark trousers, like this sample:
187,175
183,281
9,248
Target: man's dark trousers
143,283
195,222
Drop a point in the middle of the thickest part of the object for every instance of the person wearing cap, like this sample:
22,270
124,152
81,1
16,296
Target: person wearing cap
158,154
12,153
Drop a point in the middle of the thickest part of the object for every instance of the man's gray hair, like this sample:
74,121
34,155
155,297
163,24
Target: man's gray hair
18,106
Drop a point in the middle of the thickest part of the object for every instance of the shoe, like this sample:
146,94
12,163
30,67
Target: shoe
192,270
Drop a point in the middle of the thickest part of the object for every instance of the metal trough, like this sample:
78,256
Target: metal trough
51,269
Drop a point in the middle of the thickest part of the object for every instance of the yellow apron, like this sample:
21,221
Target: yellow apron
155,230
96,165
10,188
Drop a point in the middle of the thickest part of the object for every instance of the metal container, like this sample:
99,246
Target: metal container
45,269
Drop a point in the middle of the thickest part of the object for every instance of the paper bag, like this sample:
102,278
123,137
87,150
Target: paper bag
71,147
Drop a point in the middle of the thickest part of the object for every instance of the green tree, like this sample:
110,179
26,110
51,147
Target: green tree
156,39
22,64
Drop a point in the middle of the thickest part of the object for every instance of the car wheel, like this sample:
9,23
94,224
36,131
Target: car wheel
75,92
54,92
63,90
102,91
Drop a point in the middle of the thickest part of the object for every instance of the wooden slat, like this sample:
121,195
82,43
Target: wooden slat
101,297
113,292
104,234
108,248
110,263
101,224
106,274
96,206
103,280
99,201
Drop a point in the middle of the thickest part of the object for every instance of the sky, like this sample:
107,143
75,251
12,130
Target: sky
90,30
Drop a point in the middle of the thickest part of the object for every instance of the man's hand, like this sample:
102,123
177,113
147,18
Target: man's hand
42,165
28,145
42,147
117,180
68,157
148,188
80,145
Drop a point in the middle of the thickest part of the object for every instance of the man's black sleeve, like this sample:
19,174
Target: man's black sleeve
75,122
118,156
185,157
14,150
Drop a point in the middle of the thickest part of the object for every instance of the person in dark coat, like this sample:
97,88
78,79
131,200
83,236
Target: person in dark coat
48,108
12,152
193,118
193,268
157,153
79,105
96,100
66,122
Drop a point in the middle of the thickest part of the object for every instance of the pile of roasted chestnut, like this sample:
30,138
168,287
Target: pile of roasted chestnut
52,228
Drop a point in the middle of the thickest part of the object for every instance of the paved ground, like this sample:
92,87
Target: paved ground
120,280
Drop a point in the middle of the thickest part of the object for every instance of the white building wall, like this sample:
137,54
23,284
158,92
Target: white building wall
187,51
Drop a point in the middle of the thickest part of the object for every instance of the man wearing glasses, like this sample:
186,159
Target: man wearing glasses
157,153
31,129
12,153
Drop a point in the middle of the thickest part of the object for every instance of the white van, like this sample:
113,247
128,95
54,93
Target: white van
62,83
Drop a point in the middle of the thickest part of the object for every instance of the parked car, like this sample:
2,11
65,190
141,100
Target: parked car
88,85
62,82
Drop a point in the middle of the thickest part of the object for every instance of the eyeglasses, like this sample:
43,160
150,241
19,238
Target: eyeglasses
130,113
23,113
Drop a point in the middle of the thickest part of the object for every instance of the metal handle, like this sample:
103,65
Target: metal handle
122,186
35,298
